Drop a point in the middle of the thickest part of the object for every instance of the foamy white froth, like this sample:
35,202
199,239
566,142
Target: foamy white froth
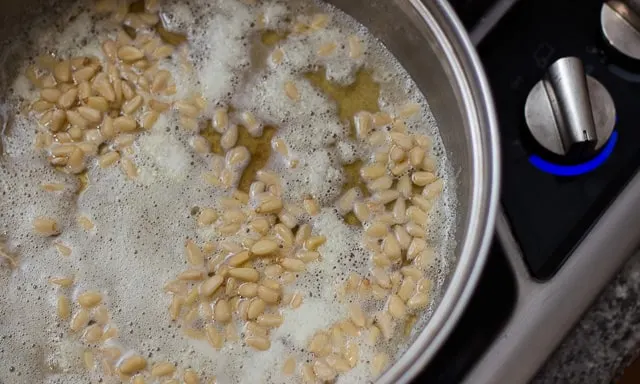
140,227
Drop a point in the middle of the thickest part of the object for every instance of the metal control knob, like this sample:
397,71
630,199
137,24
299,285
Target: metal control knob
620,22
568,112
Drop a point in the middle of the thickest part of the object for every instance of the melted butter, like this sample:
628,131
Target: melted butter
271,38
362,95
259,147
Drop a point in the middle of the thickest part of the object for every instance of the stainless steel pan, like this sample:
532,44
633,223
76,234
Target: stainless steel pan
430,42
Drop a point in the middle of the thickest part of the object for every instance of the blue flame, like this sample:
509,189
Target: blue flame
577,169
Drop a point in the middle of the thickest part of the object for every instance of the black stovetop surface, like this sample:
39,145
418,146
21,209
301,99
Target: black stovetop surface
548,214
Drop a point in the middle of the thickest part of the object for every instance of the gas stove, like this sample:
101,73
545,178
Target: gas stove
565,76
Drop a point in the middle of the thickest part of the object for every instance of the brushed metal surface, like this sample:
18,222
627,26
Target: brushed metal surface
620,23
568,111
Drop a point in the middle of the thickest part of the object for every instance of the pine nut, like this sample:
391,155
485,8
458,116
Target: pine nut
296,300
381,277
206,217
256,308
132,105
379,363
400,168
293,265
338,363
417,245
372,172
191,275
403,237
269,295
418,301
229,137
357,315
391,247
84,74
132,365
396,307
108,159
62,71
222,311
308,376
289,366
211,285
308,256
163,369
259,343
214,337
63,308
129,53
381,119
89,299
401,139
314,242
385,197
400,211
124,124
248,290
129,168
193,253
245,274
46,226
76,119
399,126
377,230
92,334
397,154
318,342
50,94
361,210
160,81
422,178
239,258
417,215
191,377
79,320
68,98
264,247
422,202
291,91
270,320
433,190
269,204
416,157
407,288
323,371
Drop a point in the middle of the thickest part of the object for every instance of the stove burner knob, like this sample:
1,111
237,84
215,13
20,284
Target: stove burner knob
620,22
568,112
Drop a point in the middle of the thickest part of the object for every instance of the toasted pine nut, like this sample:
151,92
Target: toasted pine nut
46,226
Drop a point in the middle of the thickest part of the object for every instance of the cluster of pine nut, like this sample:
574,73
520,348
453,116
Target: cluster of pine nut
92,108
401,189
241,278
90,318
